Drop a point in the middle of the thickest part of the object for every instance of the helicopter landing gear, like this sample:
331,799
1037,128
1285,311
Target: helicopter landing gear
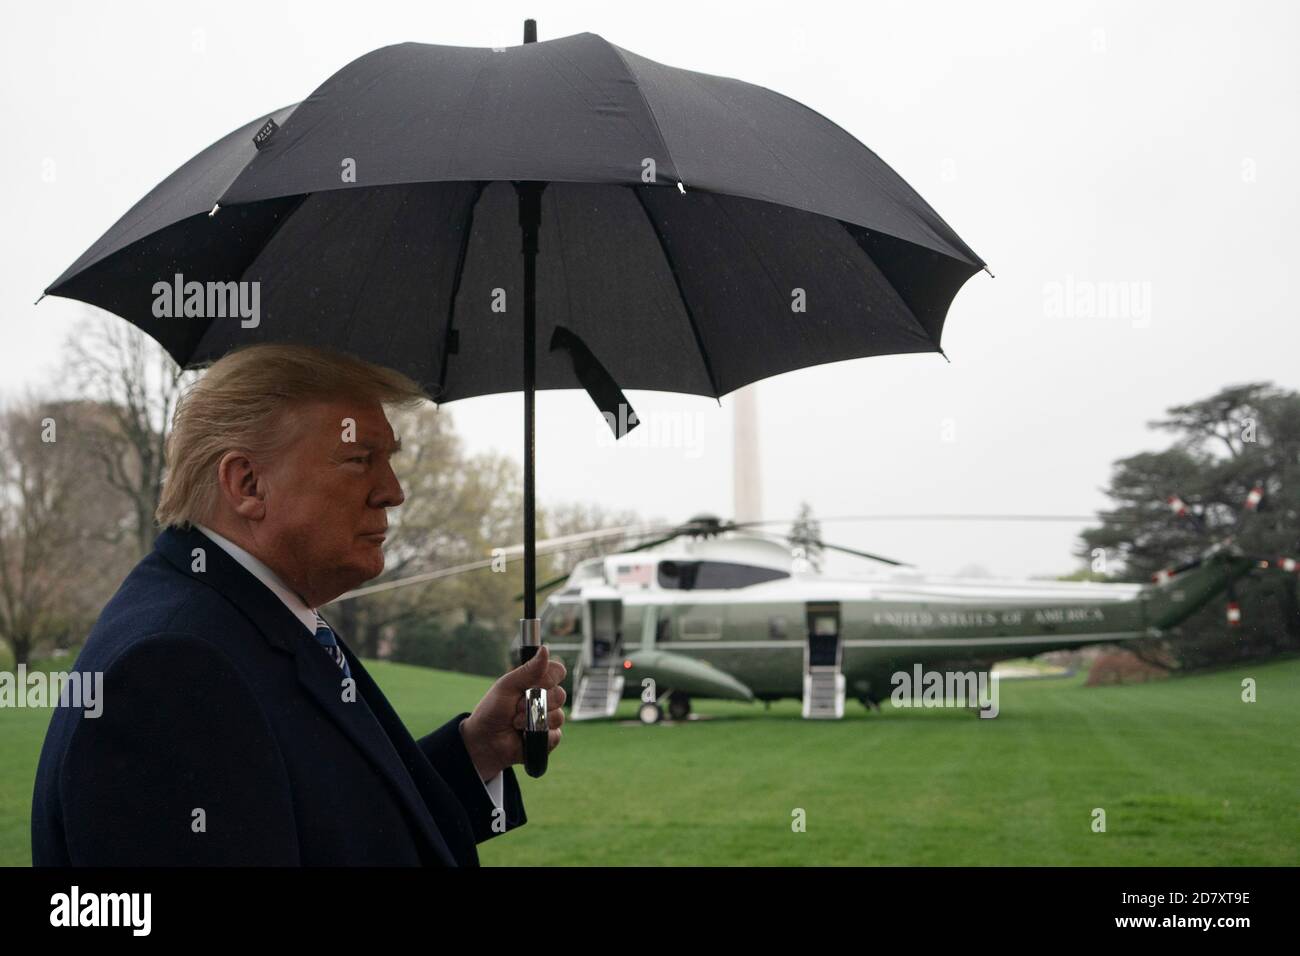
650,713
870,703
679,706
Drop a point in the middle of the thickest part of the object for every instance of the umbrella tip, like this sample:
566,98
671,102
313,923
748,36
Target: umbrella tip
38,301
215,209
530,31
945,356
990,272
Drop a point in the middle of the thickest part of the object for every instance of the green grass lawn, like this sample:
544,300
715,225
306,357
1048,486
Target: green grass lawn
1186,772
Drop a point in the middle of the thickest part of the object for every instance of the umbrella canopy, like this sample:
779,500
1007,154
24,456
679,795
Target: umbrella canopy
654,228
697,233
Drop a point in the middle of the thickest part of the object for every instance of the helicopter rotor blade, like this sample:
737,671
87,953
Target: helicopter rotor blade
864,554
1245,518
655,542
1073,519
693,527
1163,575
697,527
548,546
1234,607
817,542
1284,563
1249,517
1185,513
546,585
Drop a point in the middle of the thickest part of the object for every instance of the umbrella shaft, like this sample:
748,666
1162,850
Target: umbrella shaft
530,203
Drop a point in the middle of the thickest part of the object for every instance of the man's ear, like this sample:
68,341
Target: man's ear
241,485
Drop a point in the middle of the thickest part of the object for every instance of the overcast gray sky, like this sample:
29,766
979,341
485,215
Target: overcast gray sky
1128,171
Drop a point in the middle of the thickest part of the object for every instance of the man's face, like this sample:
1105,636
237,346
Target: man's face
326,498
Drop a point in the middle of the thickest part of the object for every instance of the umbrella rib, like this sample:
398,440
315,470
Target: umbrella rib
455,285
894,289
288,214
749,246
564,265
681,293
754,131
649,110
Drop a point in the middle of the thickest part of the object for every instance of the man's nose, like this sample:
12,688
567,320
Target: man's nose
389,493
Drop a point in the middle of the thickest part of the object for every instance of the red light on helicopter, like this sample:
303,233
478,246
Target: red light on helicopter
627,665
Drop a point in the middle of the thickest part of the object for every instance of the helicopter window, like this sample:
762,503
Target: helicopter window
713,575
562,620
826,625
701,629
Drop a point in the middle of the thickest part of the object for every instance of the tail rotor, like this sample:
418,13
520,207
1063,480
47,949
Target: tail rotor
1196,520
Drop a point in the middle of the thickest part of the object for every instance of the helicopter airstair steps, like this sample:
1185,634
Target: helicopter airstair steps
823,693
599,691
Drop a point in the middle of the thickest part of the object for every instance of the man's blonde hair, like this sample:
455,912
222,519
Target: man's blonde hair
244,401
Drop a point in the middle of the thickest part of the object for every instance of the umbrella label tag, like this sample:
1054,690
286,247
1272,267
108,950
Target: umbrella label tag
265,133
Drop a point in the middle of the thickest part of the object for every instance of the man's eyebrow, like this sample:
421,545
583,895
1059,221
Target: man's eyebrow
366,445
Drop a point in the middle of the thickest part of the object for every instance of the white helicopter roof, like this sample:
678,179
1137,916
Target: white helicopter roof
635,572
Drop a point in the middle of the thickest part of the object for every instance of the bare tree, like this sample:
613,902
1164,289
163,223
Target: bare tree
136,381
55,565
559,520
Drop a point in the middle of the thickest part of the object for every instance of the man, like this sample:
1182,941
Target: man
237,727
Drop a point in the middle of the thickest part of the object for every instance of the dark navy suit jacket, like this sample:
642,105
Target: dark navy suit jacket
225,739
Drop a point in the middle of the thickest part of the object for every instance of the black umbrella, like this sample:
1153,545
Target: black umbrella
680,231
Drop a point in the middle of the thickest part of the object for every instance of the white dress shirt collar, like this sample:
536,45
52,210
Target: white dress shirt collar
494,787
268,577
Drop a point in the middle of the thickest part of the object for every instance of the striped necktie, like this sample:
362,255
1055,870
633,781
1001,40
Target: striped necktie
326,639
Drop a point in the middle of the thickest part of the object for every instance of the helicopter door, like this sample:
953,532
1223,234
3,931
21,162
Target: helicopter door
599,681
823,683
606,631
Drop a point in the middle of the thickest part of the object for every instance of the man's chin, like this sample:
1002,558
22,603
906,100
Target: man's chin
370,563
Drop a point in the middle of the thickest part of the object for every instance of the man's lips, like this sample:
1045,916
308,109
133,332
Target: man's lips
375,535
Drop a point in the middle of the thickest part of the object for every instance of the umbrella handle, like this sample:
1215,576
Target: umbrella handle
536,732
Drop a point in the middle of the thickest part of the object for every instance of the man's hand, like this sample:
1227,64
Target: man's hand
492,732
